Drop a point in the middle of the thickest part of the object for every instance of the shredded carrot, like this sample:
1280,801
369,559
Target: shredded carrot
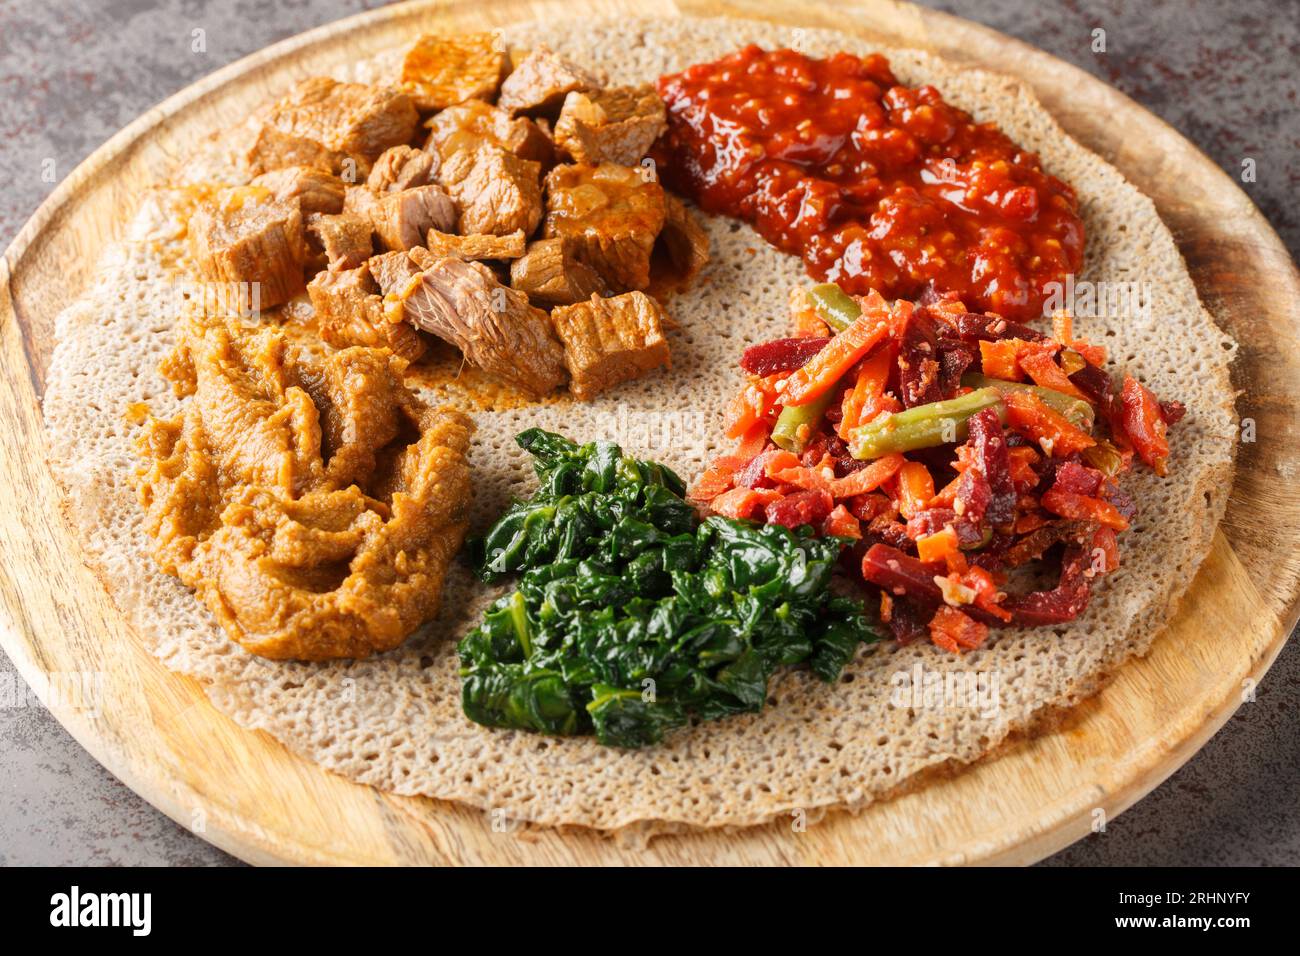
1042,368
867,479
938,546
752,442
821,372
946,495
839,523
715,480
998,359
955,632
1030,416
915,488
1021,460
1068,504
742,502
867,398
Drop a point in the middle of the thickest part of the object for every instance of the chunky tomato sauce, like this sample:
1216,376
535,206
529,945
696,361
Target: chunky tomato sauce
876,185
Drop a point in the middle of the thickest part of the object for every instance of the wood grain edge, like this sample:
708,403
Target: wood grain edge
265,56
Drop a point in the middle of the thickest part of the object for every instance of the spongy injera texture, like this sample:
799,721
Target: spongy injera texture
395,721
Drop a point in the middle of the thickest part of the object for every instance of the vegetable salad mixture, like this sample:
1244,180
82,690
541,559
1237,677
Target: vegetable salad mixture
632,616
960,452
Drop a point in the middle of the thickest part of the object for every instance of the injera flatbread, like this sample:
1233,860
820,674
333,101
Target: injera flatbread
395,721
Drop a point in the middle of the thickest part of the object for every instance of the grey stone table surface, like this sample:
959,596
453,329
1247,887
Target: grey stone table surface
73,72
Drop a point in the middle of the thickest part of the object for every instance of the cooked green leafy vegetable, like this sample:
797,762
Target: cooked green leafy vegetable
632,616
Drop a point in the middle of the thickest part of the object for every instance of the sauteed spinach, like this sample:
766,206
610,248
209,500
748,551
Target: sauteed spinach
632,616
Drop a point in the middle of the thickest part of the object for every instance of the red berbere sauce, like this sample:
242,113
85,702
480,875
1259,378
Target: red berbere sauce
875,185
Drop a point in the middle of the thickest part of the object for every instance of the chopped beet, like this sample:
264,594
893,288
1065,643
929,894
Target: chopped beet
1063,603
800,508
886,529
908,622
901,574
974,328
1078,479
918,364
954,359
990,447
754,475
1173,412
973,496
780,355
1094,383
1031,546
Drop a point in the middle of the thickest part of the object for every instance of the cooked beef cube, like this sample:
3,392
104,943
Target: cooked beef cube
611,126
247,237
402,167
493,325
541,81
497,192
393,271
684,240
344,239
401,219
550,272
315,189
334,122
611,214
475,247
608,341
349,311
472,122
441,71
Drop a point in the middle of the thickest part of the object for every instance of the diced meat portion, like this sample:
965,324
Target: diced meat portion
315,189
402,167
550,272
326,123
470,248
683,239
497,192
246,237
349,311
441,71
344,239
493,325
611,126
609,341
401,219
542,80
472,122
612,217
394,272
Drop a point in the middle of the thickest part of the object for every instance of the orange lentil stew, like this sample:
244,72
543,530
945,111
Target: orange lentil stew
874,184
957,453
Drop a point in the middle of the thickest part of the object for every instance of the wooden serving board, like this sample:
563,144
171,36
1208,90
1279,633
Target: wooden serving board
244,792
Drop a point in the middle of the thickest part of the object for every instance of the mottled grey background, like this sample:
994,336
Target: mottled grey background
72,73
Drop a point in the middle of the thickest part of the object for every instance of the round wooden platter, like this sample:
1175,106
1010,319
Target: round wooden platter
246,793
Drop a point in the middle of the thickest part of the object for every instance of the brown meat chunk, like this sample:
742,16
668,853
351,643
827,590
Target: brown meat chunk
469,248
315,189
350,311
344,239
541,81
497,192
609,341
611,126
684,240
611,215
246,237
550,272
493,325
402,219
402,167
312,501
394,272
326,123
441,71
470,123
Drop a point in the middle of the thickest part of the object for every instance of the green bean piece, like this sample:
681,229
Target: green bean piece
1105,457
924,426
1078,412
838,310
790,432
836,307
